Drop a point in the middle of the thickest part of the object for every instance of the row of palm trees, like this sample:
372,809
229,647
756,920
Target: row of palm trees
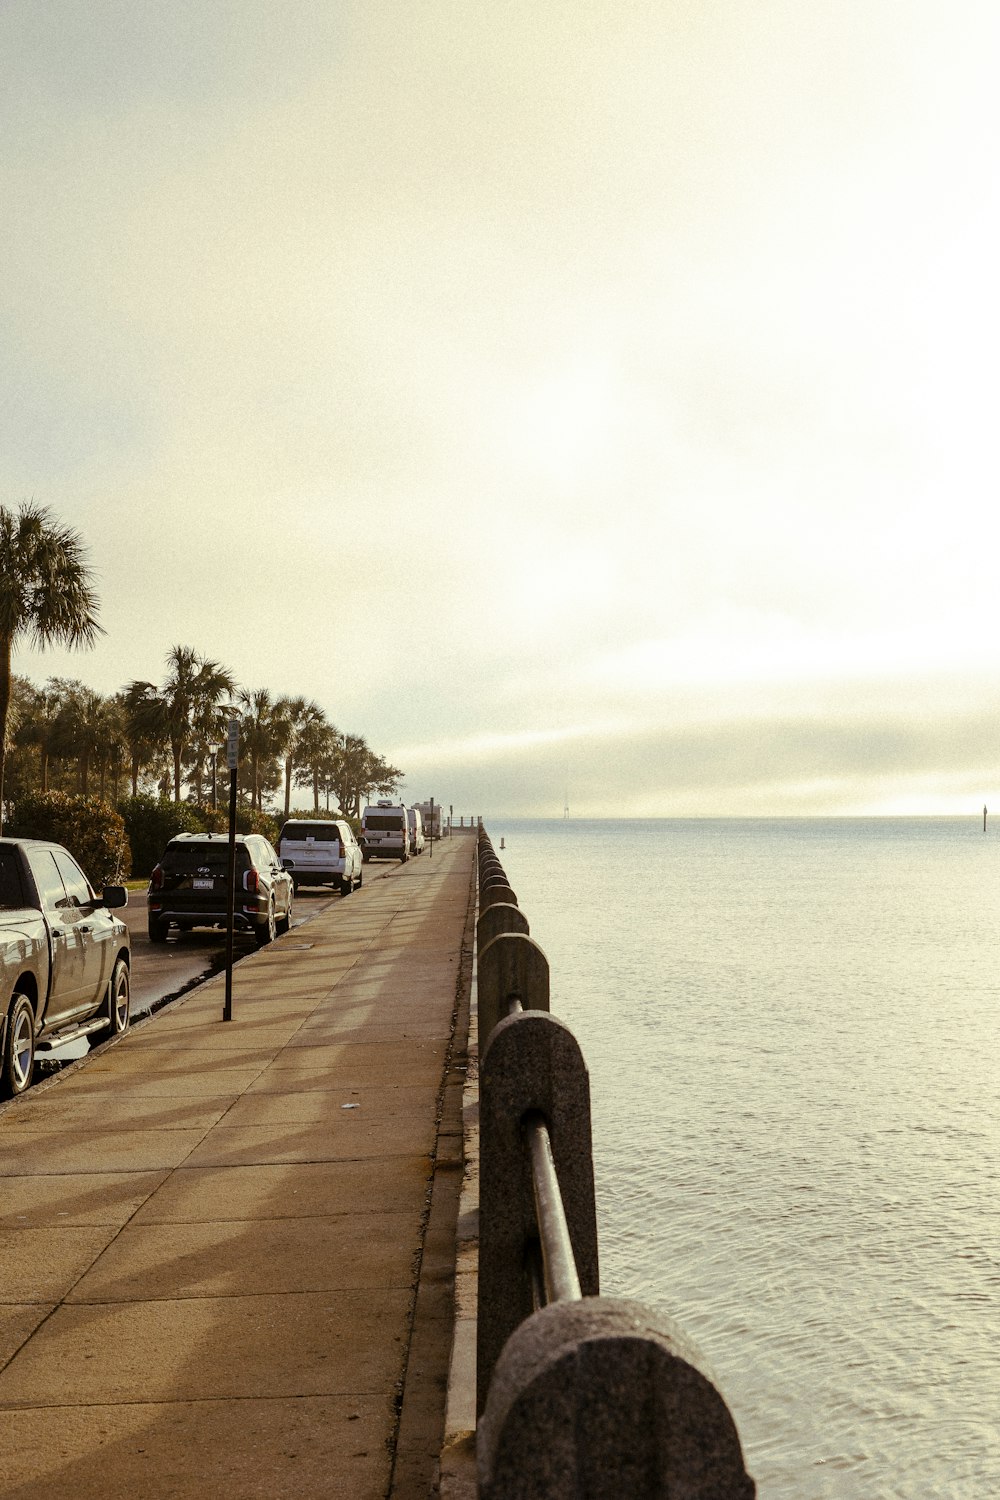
172,735
165,733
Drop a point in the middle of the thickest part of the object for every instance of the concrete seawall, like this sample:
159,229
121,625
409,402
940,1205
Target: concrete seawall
227,1251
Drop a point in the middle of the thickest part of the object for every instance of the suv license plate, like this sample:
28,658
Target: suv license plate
203,885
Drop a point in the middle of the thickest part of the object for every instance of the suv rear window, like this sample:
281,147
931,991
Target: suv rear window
186,859
323,833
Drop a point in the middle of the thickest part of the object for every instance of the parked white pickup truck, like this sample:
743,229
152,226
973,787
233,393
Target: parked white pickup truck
64,957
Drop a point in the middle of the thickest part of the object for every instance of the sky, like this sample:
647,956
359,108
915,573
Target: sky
590,402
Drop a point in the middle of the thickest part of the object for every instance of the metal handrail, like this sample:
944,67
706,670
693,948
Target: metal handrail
562,1281
556,1279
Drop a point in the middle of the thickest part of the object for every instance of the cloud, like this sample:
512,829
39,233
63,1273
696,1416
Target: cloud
790,767
577,365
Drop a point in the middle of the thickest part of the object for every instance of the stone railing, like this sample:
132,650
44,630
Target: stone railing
577,1394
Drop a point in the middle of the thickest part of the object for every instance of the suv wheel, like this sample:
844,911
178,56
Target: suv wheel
157,930
267,931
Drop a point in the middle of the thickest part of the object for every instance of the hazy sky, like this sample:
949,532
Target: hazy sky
576,397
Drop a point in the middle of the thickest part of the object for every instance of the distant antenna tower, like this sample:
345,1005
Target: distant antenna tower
566,804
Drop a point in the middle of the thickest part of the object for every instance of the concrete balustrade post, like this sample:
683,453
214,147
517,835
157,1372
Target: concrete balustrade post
494,892
608,1399
532,1064
512,964
499,916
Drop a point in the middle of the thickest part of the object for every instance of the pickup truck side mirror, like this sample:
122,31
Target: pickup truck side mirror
114,896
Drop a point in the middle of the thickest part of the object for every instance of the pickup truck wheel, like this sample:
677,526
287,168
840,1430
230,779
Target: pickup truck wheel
117,1001
157,930
19,1048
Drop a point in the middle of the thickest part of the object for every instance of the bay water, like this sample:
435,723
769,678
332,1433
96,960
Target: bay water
792,1029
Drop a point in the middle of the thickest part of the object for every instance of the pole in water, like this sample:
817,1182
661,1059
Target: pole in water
984,817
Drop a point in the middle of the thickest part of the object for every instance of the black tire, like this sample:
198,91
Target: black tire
346,885
157,930
361,879
268,929
283,924
116,1006
18,1048
366,858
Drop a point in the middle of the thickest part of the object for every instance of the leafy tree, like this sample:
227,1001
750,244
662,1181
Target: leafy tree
360,773
46,595
35,715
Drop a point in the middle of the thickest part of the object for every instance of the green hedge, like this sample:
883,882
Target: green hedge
257,822
92,831
151,823
112,845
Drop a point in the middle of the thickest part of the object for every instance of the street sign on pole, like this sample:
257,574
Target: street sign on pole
232,755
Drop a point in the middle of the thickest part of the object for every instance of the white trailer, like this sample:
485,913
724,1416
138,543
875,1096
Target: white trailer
434,827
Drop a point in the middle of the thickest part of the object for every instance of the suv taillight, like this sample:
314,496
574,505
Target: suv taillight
252,882
156,879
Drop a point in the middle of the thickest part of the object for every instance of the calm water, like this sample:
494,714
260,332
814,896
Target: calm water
794,1047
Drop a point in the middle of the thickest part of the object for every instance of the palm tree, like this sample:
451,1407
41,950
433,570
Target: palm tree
145,727
263,732
46,595
300,716
193,685
38,725
319,751
83,728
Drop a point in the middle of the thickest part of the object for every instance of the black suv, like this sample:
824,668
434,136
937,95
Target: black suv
190,884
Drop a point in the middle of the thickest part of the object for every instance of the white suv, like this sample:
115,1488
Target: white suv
316,852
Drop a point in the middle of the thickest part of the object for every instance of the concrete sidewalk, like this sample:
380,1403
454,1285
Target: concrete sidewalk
222,1268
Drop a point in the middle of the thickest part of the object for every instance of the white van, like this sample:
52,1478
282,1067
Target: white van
385,832
320,853
416,823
